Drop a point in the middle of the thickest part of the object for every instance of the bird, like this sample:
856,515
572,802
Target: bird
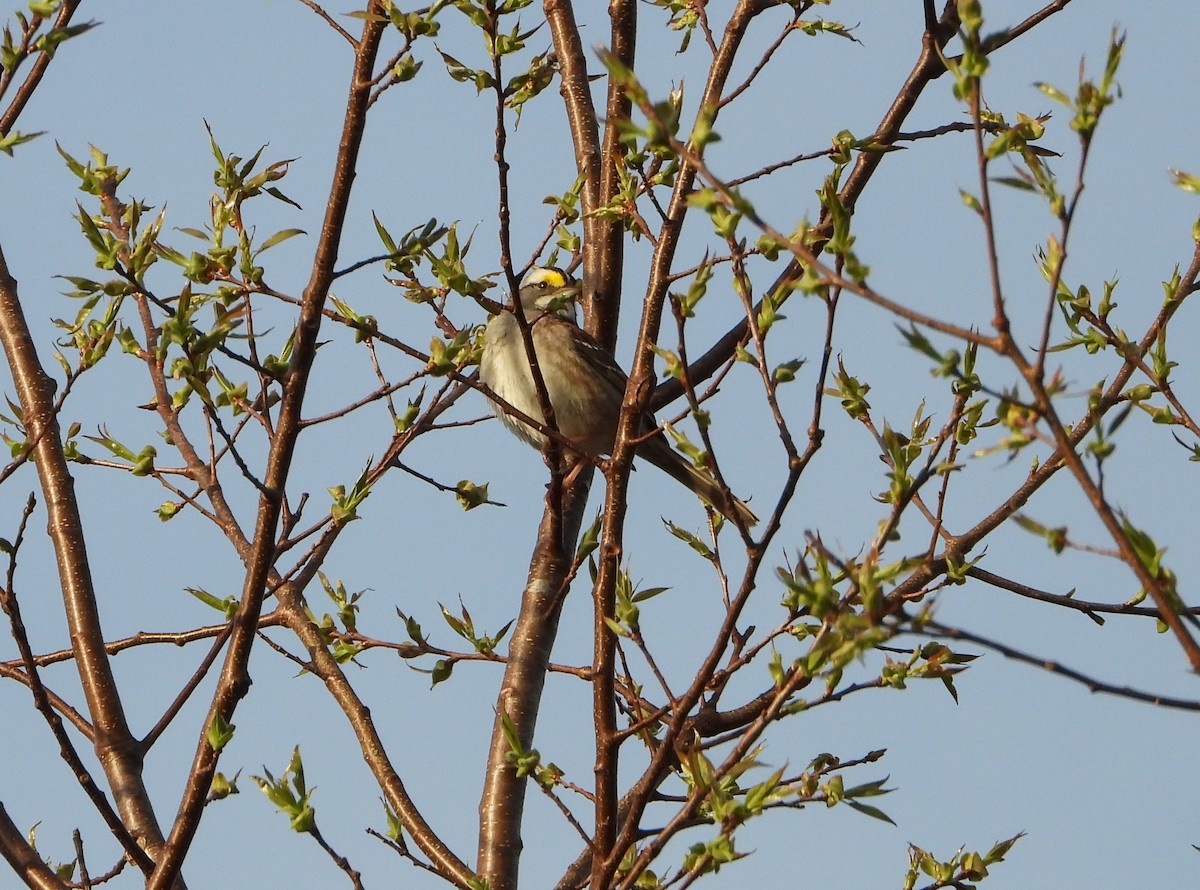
584,383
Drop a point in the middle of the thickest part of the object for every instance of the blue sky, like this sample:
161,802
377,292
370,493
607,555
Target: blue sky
1102,786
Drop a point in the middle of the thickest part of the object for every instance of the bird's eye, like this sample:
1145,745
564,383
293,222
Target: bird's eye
542,285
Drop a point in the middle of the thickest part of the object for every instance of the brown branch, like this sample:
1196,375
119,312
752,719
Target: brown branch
323,665
411,650
338,859
115,746
768,53
927,68
779,165
234,681
1168,609
934,629
26,862
577,98
25,91
530,644
1090,608
503,209
608,848
10,671
202,472
958,546
143,638
954,127
502,803
45,702
189,687
995,41
119,753
604,247
566,813
307,566
385,391
320,11
399,846
795,679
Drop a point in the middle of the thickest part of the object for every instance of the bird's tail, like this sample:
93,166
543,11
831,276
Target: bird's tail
701,484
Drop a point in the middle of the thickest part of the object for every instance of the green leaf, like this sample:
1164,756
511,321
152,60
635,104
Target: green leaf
589,540
290,794
168,510
470,495
868,810
786,372
278,238
219,732
227,606
345,505
13,138
222,786
690,539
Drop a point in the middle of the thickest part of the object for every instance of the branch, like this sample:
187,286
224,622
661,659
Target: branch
604,247
502,804
234,681
201,472
1165,598
927,68
24,859
1091,609
25,92
1008,35
119,753
933,628
9,671
320,11
530,644
638,392
49,705
338,859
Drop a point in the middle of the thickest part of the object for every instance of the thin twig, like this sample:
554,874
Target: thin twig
934,628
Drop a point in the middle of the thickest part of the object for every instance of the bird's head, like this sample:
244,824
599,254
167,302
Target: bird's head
548,289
